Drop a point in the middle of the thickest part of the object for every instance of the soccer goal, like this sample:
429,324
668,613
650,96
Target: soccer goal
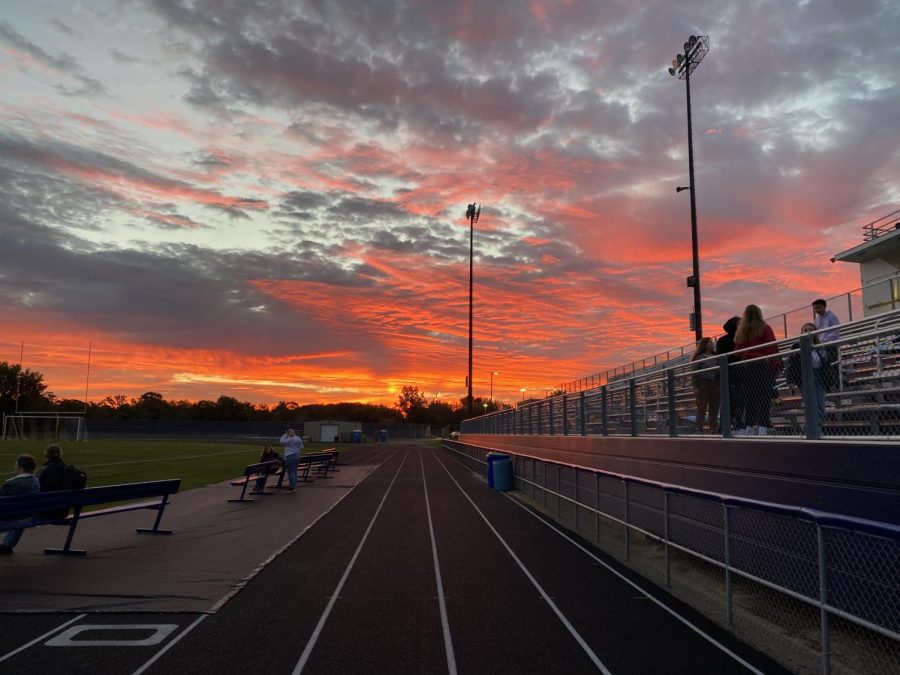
36,426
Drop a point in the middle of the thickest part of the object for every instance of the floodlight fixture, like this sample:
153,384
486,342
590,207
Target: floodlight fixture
686,62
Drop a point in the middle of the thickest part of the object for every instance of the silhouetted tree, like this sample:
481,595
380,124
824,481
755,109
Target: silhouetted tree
27,384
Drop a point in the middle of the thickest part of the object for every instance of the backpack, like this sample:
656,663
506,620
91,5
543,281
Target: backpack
73,478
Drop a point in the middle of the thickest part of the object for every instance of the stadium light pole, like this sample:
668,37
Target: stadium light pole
472,214
683,65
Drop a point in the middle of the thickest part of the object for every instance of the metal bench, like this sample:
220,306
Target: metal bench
25,511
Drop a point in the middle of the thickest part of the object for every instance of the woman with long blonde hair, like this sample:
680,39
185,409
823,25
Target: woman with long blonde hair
758,375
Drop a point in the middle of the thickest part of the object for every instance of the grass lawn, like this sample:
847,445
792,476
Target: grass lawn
196,463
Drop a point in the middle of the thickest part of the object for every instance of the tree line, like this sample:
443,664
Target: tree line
29,388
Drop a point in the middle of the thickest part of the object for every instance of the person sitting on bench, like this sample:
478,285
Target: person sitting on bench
23,483
268,455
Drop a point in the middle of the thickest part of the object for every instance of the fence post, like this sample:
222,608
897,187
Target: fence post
784,316
575,469
666,536
729,616
544,481
724,397
550,415
604,411
581,414
823,601
557,492
627,529
597,508
565,414
811,413
849,308
632,405
540,420
670,395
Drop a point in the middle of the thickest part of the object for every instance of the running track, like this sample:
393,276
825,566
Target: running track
420,569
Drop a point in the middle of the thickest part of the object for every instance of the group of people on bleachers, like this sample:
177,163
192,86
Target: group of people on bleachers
751,385
25,481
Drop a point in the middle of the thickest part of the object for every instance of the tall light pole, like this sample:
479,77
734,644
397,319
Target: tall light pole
683,65
523,390
472,214
493,372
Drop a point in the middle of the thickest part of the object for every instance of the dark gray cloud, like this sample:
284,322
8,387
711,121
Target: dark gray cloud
123,58
62,63
156,294
62,27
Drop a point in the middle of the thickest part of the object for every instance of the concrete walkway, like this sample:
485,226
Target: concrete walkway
216,546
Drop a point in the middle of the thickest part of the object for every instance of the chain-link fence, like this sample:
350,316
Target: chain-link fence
818,592
807,386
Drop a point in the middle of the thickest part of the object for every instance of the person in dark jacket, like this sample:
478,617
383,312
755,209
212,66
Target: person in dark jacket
52,475
23,483
725,345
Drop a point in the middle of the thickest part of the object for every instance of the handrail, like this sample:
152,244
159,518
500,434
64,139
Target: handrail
876,527
852,335
610,374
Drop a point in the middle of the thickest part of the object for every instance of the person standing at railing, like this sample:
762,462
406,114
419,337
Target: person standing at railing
706,384
292,445
826,319
819,364
725,345
758,376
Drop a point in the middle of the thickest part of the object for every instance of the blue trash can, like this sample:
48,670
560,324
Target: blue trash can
382,435
503,474
491,458
356,436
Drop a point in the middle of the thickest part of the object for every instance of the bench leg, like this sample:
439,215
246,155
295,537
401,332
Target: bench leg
67,548
243,493
159,514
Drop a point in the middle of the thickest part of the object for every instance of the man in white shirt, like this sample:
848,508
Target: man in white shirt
825,319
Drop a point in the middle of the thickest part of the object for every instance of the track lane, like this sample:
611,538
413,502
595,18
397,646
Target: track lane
266,626
629,633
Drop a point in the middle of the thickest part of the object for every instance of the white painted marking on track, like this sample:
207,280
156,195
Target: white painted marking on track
562,617
172,643
67,638
647,595
304,657
445,621
40,639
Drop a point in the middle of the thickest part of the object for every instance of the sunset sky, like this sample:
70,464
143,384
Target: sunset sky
266,199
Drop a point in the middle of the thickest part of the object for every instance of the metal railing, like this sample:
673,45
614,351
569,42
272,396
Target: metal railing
817,591
847,387
849,304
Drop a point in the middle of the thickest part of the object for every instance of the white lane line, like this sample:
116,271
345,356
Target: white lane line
562,617
628,581
171,644
42,637
337,591
445,621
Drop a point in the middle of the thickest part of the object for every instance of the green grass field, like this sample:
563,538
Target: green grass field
196,463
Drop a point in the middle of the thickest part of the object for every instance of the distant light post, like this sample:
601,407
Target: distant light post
683,65
472,214
523,390
493,372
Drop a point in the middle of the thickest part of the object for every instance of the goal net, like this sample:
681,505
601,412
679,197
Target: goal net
44,426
